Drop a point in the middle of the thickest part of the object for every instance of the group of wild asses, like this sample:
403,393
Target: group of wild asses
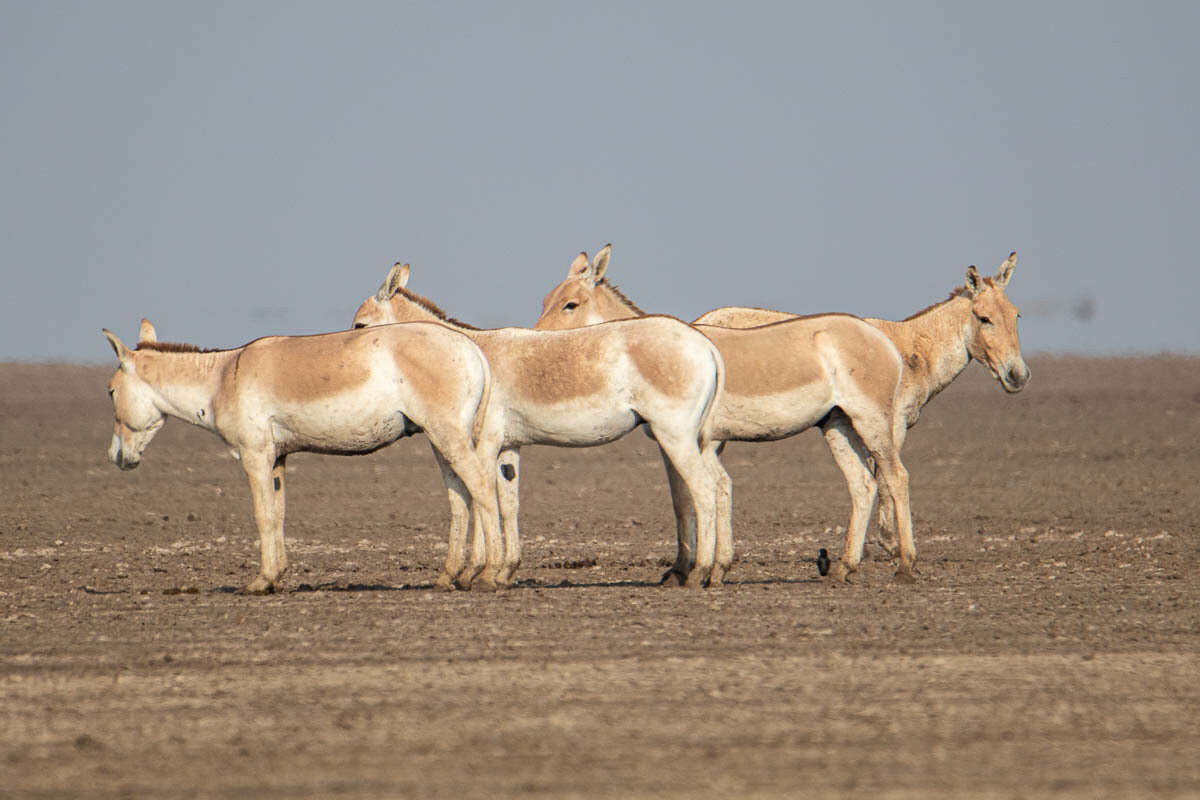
593,368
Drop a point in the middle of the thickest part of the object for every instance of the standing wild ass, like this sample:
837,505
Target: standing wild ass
589,387
977,321
342,393
833,371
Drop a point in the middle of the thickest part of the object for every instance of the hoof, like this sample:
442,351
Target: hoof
484,583
696,580
259,586
889,549
444,583
905,576
717,578
841,573
673,578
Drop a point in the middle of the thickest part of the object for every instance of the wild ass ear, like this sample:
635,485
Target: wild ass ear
124,354
397,278
1004,274
974,284
600,263
579,267
147,332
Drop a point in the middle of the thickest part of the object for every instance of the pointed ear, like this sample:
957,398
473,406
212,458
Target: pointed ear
124,354
974,283
600,262
396,278
579,267
1004,274
147,332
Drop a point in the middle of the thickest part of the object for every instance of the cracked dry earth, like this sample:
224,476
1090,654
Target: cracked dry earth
1048,650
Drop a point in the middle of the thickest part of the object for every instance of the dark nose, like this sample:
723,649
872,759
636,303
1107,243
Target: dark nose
1018,377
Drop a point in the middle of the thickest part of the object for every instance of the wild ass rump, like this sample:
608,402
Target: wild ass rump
344,393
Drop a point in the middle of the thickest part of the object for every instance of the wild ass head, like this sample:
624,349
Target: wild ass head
585,297
395,303
135,404
993,338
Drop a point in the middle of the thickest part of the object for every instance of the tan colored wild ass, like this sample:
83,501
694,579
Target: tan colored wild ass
590,387
977,321
833,371
342,393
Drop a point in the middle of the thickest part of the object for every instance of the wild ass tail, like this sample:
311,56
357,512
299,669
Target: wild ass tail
484,400
707,422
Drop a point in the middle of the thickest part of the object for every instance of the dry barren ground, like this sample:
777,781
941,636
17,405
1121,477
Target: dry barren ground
1049,650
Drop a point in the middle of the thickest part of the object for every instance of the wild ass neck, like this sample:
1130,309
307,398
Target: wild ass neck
187,383
934,344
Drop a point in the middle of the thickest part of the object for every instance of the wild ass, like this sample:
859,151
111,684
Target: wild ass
833,371
977,321
342,393
590,387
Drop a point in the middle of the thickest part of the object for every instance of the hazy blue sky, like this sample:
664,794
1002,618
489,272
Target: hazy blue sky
232,170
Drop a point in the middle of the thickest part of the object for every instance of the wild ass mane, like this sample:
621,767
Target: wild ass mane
959,291
432,308
176,347
612,287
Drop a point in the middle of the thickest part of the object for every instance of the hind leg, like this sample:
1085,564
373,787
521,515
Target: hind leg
851,456
477,475
700,482
454,573
685,526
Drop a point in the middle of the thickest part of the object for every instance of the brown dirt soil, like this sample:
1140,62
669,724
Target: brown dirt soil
1049,648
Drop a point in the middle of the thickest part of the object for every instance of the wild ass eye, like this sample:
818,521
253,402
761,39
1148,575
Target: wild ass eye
571,306
984,320
358,325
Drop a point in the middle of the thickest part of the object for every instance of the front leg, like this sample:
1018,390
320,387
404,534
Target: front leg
508,492
724,521
266,476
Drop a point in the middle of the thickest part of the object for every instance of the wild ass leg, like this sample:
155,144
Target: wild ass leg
267,494
700,482
508,492
885,535
474,471
453,574
724,511
885,451
685,526
851,456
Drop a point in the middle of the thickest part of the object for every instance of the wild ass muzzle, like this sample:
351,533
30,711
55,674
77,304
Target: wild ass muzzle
344,393
589,387
833,371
